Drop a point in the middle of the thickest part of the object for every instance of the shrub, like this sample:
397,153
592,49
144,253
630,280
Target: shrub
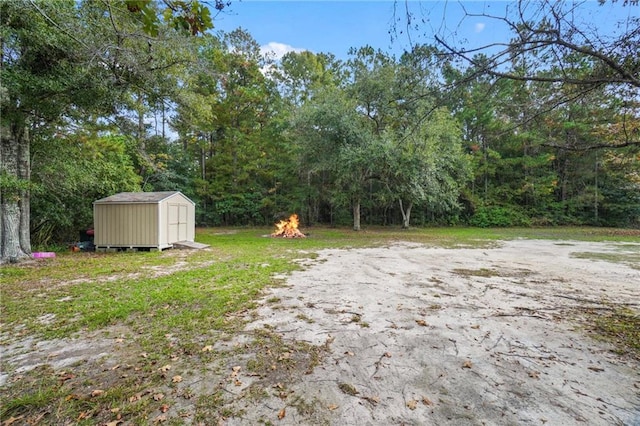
499,216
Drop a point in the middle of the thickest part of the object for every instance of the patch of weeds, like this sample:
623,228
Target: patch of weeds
274,299
211,408
630,259
356,318
482,272
305,318
348,388
30,395
303,407
620,327
256,392
279,361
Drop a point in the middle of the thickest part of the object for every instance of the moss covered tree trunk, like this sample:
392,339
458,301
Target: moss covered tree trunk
14,194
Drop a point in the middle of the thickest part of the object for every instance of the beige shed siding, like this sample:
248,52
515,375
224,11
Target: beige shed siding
126,225
144,220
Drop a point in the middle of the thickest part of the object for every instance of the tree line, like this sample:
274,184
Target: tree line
103,97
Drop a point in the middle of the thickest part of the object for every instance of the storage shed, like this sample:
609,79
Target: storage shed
154,220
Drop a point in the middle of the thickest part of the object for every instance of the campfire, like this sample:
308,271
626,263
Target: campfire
288,228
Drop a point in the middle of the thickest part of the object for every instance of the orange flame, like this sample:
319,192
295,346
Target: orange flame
288,228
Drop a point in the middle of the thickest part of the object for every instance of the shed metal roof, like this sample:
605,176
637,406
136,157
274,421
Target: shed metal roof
138,197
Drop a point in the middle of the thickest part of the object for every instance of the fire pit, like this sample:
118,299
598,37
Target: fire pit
288,228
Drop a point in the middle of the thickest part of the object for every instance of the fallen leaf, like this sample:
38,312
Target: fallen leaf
423,323
375,400
426,401
467,364
144,355
475,326
412,404
135,397
115,367
64,376
597,369
12,420
114,423
97,392
237,382
387,354
207,348
349,353
158,397
165,368
176,379
282,413
534,374
160,419
164,408
36,420
332,407
71,397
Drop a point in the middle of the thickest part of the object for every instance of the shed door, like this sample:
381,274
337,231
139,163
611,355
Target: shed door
177,218
182,223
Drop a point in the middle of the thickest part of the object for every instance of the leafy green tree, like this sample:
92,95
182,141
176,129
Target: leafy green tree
557,32
63,62
336,144
227,117
65,190
300,74
428,167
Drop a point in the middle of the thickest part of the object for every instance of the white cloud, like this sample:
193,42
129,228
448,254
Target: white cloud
479,27
278,50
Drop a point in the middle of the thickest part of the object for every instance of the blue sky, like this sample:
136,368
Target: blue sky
327,26
335,26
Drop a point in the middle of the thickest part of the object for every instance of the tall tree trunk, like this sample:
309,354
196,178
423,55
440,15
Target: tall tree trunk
564,184
406,214
14,200
356,214
24,203
4,134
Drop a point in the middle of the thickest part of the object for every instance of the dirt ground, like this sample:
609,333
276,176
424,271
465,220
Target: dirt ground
433,336
413,335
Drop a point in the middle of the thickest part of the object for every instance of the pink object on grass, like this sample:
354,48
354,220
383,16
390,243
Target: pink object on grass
43,254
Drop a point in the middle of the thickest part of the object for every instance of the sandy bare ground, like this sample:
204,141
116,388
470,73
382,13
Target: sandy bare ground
433,336
413,335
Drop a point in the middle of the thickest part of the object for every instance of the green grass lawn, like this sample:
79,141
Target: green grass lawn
195,296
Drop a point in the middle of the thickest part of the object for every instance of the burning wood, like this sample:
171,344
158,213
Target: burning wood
288,228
